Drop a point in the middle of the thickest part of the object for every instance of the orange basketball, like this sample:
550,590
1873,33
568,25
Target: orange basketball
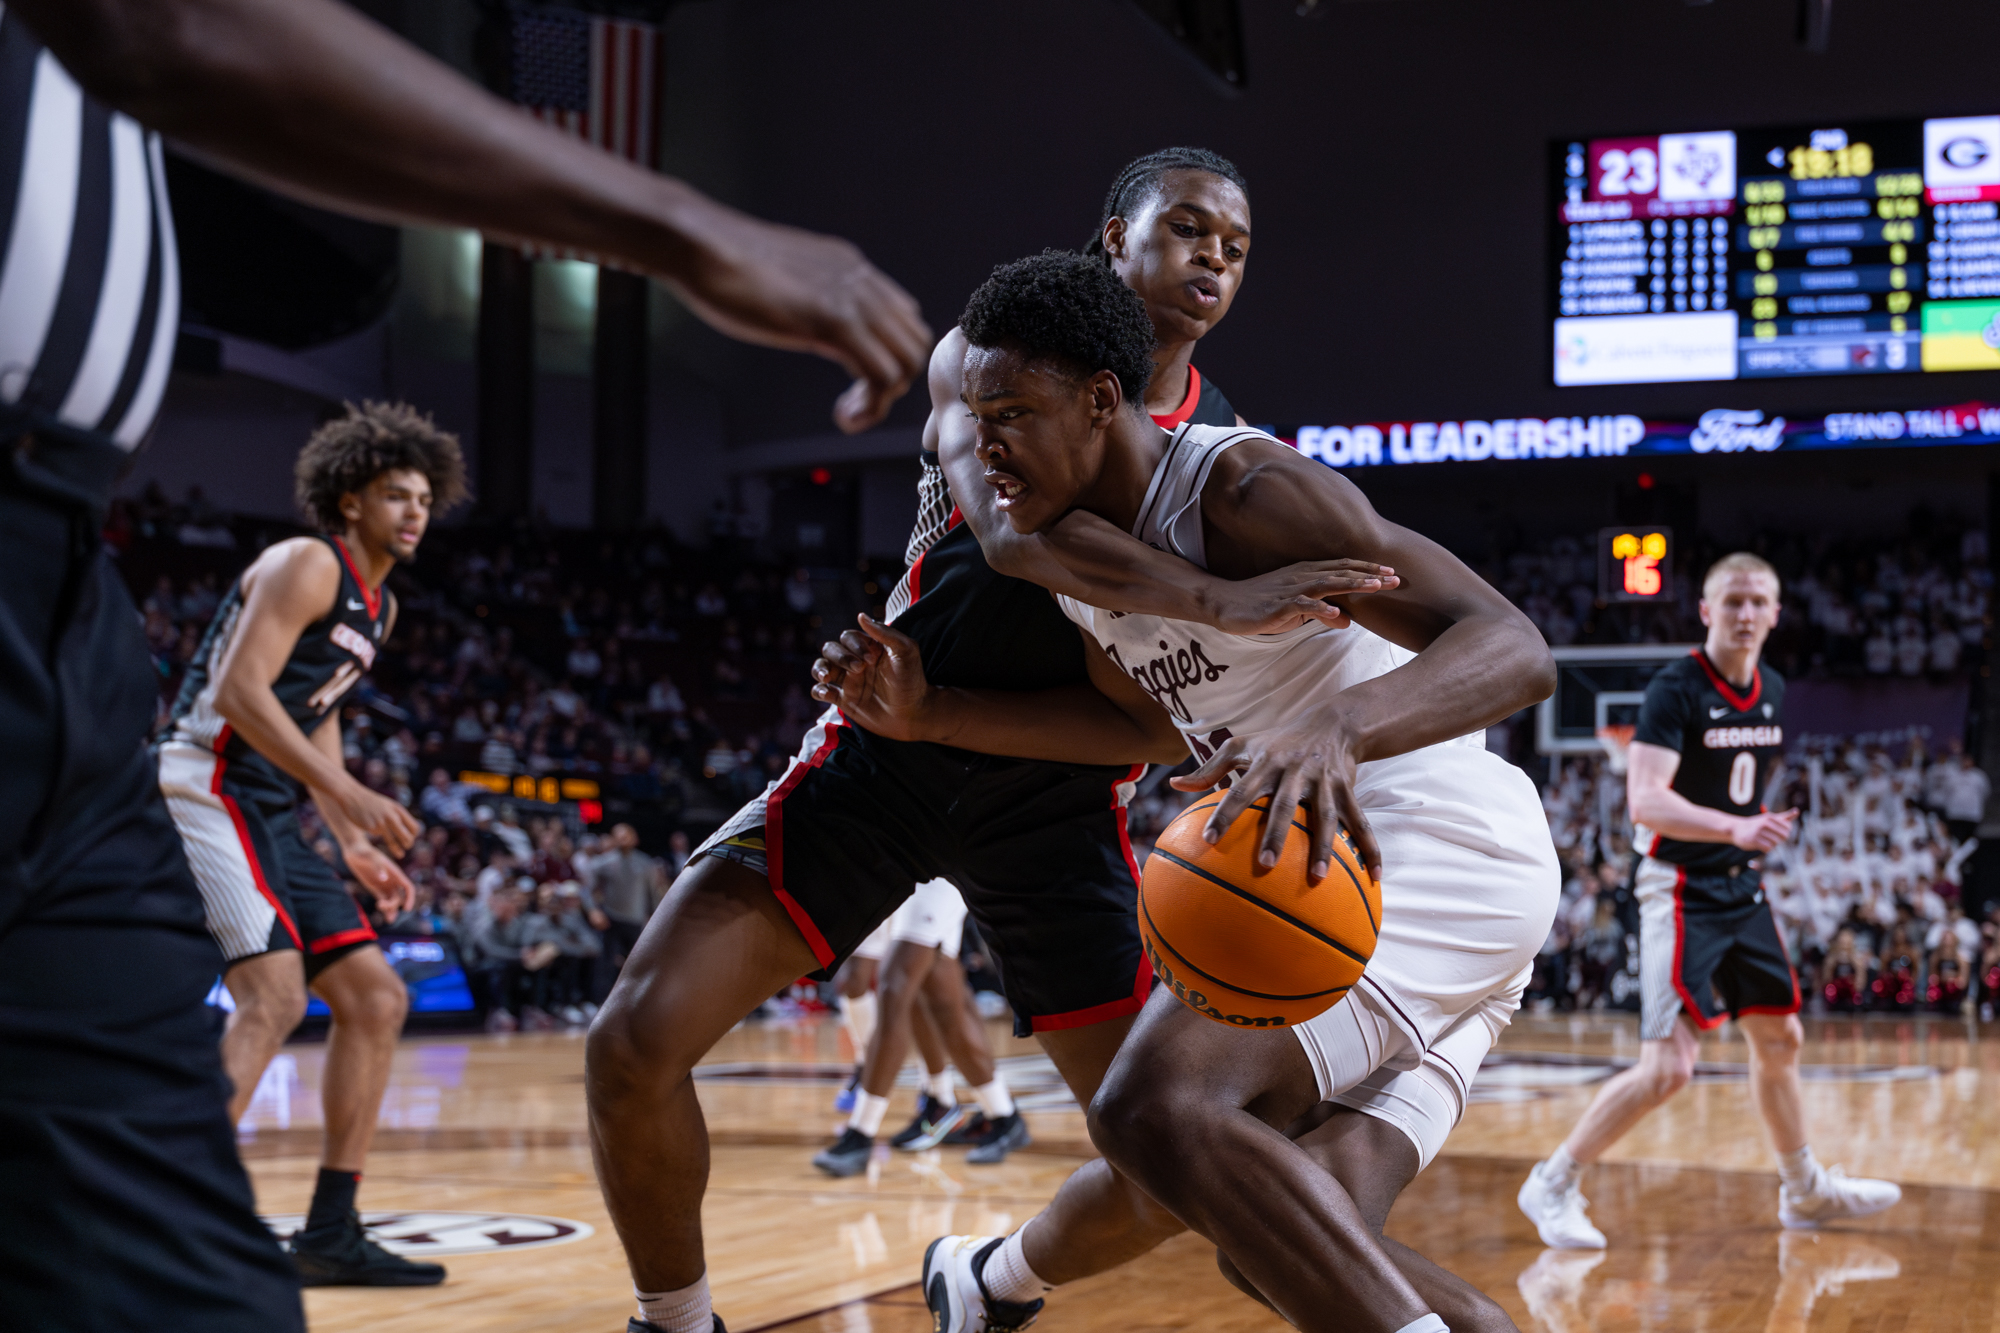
1251,947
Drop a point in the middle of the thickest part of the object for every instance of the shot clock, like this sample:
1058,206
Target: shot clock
1859,249
1635,564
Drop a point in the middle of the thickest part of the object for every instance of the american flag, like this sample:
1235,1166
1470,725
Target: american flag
595,78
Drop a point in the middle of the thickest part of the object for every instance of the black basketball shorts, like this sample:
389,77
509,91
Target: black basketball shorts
1039,851
1708,948
263,888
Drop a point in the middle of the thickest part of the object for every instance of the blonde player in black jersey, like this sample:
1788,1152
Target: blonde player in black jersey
1710,731
258,720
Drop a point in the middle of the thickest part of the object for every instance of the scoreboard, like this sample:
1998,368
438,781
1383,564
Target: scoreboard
1861,249
1635,564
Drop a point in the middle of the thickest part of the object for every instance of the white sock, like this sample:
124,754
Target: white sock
857,1015
994,1099
1797,1169
685,1311
1007,1275
1562,1169
1429,1323
868,1112
942,1087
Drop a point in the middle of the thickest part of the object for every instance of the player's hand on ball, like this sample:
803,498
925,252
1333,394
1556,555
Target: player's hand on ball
1310,763
394,893
1764,832
1284,598
874,675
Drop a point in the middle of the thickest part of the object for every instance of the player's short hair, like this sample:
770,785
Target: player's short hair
1142,178
347,453
1738,562
1066,308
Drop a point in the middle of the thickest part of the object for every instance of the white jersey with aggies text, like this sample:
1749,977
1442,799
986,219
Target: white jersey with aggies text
1220,685
1470,881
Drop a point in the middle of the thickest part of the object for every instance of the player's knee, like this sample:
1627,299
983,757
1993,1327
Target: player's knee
1778,1042
1669,1076
1136,1123
278,1009
625,1057
379,1007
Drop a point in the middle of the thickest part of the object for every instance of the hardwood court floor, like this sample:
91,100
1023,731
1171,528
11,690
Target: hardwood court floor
495,1124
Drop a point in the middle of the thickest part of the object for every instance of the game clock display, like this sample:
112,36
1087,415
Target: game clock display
1861,249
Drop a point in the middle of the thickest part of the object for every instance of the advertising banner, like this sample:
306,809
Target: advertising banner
1723,430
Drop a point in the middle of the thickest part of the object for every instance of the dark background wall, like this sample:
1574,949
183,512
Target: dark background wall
1397,154
1398,160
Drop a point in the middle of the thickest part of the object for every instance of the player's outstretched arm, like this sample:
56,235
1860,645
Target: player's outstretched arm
1478,658
288,588
875,676
312,99
1085,557
1652,800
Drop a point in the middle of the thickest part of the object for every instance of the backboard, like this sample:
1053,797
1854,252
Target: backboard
1598,686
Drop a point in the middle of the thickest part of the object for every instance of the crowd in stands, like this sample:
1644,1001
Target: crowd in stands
1868,894
1915,608
672,677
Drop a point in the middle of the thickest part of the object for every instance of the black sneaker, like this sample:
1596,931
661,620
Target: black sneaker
638,1325
954,1284
972,1131
931,1125
849,1154
341,1255
1005,1134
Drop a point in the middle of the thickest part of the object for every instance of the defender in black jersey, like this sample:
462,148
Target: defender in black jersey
1710,732
257,726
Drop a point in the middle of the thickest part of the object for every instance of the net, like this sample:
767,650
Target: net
1616,738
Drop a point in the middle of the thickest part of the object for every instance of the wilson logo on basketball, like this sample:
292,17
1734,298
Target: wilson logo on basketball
1166,676
1199,1001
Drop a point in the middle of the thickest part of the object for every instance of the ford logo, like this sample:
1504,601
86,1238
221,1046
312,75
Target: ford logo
1729,431
1965,152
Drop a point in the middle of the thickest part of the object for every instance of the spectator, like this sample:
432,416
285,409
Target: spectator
444,801
494,948
627,885
1965,792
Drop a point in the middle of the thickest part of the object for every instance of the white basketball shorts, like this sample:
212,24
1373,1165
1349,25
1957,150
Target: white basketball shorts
1469,887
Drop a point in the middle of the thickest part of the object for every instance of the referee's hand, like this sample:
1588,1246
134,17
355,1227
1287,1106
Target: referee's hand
1764,832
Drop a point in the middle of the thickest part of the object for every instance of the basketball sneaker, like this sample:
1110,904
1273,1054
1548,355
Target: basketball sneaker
931,1125
341,1255
1558,1212
1834,1195
955,1291
638,1325
849,1154
1003,1136
843,1101
972,1131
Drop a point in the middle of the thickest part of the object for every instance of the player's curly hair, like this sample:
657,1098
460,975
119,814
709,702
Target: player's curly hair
347,453
1070,309
1142,176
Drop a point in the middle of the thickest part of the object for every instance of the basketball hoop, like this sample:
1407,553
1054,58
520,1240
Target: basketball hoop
1616,738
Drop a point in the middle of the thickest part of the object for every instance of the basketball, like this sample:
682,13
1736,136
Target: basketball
1251,947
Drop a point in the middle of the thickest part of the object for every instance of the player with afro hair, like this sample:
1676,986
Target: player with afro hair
1071,309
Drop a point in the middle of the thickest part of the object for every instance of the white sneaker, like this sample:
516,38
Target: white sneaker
957,1297
1835,1194
1558,1214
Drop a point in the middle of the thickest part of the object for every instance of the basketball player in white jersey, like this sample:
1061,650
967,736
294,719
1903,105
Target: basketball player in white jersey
1374,727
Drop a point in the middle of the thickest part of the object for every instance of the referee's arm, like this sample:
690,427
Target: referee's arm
1652,800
